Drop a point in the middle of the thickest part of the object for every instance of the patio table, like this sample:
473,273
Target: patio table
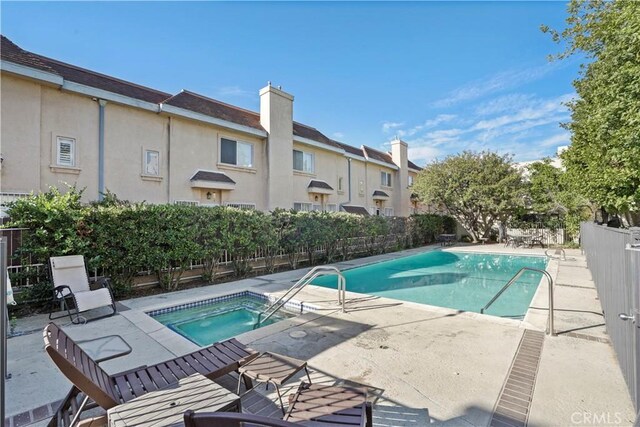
165,407
105,348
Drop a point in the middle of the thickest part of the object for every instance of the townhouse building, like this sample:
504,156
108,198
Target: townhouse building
65,125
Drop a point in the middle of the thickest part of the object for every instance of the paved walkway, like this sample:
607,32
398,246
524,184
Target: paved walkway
423,365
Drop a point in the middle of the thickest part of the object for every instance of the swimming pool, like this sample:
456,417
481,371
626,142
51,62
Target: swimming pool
217,319
459,280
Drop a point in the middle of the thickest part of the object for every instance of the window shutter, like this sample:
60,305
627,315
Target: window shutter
65,152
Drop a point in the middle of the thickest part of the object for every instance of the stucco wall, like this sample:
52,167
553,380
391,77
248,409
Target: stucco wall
19,134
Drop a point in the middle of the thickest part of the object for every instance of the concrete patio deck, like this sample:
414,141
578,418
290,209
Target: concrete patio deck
423,365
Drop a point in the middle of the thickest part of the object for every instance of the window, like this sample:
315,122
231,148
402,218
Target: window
302,161
66,151
186,202
317,208
303,207
248,206
236,153
332,207
388,211
151,162
409,181
385,179
340,184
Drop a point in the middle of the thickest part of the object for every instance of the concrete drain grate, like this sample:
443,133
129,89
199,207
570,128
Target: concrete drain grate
512,408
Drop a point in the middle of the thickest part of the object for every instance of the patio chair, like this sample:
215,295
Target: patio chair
312,404
93,387
71,282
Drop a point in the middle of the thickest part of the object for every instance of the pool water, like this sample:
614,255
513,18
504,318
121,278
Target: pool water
220,320
459,280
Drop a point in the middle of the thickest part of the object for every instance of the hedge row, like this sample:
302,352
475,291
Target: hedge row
122,239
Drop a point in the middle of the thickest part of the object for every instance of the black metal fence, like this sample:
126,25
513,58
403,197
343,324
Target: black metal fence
614,263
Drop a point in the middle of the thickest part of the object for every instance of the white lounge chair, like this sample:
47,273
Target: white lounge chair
71,281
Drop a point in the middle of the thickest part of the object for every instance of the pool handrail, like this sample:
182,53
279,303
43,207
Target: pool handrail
321,270
559,252
511,281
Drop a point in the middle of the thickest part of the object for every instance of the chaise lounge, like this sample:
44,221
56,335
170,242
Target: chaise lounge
91,382
71,282
312,405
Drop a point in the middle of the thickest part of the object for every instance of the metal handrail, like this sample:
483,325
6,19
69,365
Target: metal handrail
321,270
563,256
551,330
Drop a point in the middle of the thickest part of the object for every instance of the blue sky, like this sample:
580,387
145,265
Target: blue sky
445,76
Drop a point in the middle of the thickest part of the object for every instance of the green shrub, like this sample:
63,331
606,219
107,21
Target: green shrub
121,239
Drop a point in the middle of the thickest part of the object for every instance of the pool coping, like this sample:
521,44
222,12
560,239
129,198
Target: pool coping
177,344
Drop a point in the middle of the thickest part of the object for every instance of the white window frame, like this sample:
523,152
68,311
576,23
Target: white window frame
73,144
305,154
385,182
409,181
303,206
145,164
237,142
240,205
388,212
340,184
332,207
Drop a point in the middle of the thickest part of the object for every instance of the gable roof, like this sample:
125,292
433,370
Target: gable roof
104,82
312,133
356,210
9,51
316,183
413,165
187,100
349,148
201,175
210,107
372,153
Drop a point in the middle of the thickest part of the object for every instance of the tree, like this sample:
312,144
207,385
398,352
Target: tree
477,189
550,191
604,157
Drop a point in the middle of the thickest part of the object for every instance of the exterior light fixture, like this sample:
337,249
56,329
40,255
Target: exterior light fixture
208,195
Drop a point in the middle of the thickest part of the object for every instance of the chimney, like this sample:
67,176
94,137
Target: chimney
401,191
276,117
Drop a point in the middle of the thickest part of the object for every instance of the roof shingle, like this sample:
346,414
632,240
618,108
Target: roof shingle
212,176
9,51
356,210
316,183
210,107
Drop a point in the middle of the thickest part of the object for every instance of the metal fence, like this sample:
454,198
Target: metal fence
614,265
549,236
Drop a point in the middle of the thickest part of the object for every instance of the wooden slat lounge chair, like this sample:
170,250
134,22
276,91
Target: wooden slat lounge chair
92,383
312,405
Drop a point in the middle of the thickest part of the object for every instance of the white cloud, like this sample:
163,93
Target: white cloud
389,126
428,124
508,79
234,91
524,125
556,140
424,154
338,135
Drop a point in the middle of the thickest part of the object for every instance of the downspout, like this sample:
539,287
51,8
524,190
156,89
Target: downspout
101,104
349,181
168,159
